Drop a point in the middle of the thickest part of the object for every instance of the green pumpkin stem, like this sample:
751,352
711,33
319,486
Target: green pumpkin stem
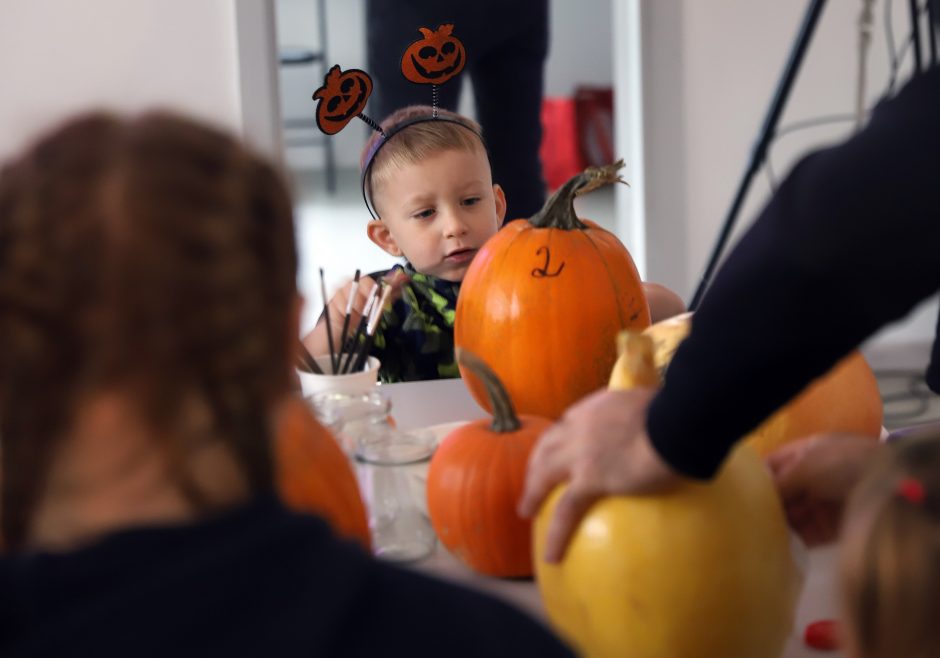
504,416
558,211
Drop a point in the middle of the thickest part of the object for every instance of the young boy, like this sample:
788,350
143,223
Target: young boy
435,204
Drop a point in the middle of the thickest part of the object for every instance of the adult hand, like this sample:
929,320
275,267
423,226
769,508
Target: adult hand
815,476
600,448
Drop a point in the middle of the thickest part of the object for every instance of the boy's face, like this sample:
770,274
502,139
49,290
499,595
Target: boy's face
438,212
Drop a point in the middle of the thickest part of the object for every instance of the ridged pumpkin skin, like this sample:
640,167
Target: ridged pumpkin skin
543,306
474,482
845,399
703,572
314,474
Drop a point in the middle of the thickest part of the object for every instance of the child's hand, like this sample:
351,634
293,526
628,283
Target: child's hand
815,476
317,342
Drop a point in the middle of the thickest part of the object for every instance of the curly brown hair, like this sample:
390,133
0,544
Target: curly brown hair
153,256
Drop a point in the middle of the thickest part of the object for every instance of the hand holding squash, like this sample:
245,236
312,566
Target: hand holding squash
699,571
600,448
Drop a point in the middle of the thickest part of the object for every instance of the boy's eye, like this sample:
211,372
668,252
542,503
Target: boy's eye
472,201
424,214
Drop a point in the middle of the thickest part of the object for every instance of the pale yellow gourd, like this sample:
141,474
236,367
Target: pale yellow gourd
704,571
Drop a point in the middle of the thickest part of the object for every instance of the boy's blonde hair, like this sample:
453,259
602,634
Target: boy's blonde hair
890,557
414,143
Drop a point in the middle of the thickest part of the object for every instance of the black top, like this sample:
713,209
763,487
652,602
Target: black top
849,243
256,581
415,338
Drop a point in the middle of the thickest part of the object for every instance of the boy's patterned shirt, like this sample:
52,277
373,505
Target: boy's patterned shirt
415,337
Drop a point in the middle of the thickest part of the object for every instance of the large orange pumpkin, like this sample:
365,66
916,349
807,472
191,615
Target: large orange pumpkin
543,302
475,480
314,474
845,399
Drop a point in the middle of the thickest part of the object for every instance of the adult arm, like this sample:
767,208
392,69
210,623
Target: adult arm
850,242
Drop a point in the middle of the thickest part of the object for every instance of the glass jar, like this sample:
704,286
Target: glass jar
392,469
349,414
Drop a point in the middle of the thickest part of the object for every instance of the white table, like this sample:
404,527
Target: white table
423,404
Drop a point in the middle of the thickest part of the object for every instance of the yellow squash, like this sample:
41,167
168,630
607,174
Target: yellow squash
704,571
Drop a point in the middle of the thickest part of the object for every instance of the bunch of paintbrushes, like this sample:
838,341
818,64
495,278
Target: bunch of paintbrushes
354,348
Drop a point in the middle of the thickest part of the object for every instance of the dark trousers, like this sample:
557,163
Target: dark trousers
506,43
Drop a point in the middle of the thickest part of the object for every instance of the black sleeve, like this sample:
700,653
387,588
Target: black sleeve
850,242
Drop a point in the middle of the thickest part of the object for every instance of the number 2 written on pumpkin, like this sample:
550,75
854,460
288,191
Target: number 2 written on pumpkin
543,272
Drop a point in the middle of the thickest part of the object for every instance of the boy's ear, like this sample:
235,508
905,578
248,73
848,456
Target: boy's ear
500,202
379,234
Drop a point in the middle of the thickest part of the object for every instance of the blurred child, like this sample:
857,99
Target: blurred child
890,555
148,324
435,204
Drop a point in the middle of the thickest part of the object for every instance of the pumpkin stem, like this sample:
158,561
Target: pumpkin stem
558,211
504,416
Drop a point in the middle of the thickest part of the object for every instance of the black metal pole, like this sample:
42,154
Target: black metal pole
932,19
915,32
777,104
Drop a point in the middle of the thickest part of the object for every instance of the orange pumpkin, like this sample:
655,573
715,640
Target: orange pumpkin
844,399
545,298
434,59
342,97
313,472
475,480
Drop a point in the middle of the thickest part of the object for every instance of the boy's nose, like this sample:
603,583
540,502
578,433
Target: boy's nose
454,225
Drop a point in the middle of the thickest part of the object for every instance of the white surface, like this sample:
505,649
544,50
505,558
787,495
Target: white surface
422,404
437,405
58,58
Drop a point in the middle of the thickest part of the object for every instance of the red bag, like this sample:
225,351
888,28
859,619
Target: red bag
595,115
560,151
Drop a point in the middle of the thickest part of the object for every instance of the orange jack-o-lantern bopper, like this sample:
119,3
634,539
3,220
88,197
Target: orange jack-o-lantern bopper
434,59
342,97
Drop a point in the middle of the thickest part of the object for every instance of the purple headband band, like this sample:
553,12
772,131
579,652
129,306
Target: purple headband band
387,135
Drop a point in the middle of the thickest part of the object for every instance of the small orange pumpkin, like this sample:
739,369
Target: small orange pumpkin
341,98
313,472
544,299
475,480
436,58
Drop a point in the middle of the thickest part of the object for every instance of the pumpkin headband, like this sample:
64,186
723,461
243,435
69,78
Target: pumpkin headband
434,59
386,136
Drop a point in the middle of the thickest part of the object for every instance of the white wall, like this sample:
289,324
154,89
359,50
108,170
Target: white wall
709,70
58,57
580,46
